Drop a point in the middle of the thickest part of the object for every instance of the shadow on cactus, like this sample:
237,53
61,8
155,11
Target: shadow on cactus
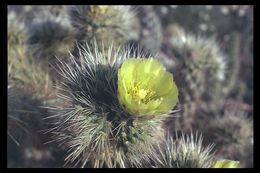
25,120
112,117
50,36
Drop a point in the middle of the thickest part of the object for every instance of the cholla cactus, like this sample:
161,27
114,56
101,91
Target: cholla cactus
234,84
50,36
16,32
234,127
205,63
186,152
232,134
102,22
16,38
22,69
25,122
95,127
28,87
16,126
201,71
150,36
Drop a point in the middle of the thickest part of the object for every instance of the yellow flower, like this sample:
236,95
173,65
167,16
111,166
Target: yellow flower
99,8
226,164
146,88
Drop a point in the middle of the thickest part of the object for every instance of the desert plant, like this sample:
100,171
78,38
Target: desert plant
184,152
29,87
50,36
200,69
102,22
100,126
23,70
150,33
232,134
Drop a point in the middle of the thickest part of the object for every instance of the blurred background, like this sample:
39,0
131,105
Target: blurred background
209,50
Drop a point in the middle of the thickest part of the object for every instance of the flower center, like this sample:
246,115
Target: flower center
141,95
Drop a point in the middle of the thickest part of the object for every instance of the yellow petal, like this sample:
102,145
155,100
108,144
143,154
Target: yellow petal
226,164
145,88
